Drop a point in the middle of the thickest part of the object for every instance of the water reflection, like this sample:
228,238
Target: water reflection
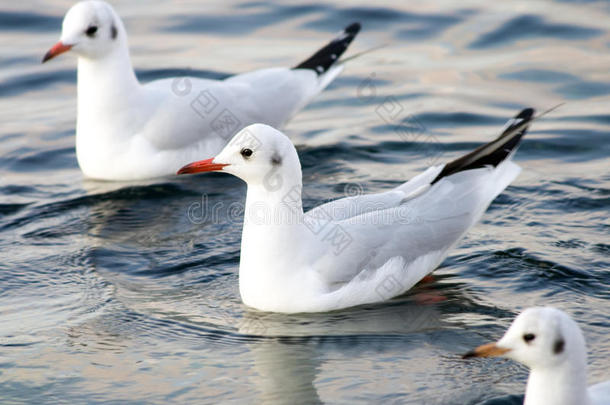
109,292
284,372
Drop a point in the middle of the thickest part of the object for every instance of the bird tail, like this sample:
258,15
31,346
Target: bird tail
322,61
496,151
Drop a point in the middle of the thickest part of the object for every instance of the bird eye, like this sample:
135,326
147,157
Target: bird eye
528,337
91,31
246,152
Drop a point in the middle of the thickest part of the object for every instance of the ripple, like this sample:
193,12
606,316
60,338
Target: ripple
414,25
135,194
53,159
584,89
444,120
241,24
532,27
528,272
146,75
24,83
28,21
506,400
539,76
8,209
129,292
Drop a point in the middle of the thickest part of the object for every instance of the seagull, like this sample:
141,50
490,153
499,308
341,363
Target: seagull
126,130
355,250
552,345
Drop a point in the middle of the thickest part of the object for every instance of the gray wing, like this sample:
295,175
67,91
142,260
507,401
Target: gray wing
349,207
600,393
425,226
217,109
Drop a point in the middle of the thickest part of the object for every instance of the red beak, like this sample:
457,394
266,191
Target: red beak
57,49
202,166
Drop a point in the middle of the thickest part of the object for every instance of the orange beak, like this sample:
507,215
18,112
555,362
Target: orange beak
202,166
488,350
57,49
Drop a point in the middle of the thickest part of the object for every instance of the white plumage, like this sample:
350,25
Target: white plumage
552,345
355,250
127,131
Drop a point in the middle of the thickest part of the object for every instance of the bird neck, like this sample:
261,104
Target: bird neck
273,207
106,84
563,385
272,220
272,232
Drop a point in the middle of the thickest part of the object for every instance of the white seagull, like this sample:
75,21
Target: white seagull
551,344
129,131
355,250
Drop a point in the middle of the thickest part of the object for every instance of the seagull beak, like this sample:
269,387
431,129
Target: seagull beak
488,350
202,166
57,49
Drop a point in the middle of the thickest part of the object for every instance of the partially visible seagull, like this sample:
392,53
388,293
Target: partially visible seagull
360,249
129,131
551,344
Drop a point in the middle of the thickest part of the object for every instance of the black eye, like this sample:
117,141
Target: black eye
528,337
91,31
246,152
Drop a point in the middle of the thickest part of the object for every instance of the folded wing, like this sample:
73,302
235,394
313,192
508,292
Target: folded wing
418,222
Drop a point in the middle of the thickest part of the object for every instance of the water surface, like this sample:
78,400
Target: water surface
128,292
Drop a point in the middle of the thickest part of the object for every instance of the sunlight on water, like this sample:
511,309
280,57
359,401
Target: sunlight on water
128,292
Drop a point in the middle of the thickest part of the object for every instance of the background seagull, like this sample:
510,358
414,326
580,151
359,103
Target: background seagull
129,131
551,344
354,250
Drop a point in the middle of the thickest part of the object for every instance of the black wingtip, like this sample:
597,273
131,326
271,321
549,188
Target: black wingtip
353,28
526,113
322,60
494,152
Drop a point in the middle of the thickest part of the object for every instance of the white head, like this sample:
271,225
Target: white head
258,154
91,29
540,338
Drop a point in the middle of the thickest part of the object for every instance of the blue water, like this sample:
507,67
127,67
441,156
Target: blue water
121,293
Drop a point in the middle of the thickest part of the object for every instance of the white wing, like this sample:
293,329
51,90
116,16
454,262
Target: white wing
345,208
600,393
402,241
128,131
218,109
422,228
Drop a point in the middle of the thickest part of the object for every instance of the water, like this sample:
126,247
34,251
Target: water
127,293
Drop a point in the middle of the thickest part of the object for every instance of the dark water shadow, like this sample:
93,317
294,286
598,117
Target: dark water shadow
532,27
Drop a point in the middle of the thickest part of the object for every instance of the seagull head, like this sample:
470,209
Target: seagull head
91,29
259,155
540,338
